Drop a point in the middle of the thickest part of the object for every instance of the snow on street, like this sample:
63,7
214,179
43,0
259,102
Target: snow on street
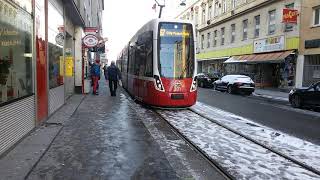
237,155
298,149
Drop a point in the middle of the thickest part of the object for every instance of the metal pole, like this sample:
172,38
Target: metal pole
160,11
161,6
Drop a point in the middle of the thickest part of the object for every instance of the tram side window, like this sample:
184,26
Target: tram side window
144,54
149,55
131,60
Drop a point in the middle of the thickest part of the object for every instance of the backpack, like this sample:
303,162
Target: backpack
96,70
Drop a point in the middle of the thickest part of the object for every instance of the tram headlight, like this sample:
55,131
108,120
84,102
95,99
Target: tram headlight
194,85
158,83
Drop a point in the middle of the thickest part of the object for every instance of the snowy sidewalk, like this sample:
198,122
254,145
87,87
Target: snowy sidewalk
271,94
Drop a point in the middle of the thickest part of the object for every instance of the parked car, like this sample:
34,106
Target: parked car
309,96
235,84
206,80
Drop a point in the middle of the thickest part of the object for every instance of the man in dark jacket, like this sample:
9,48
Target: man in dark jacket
113,75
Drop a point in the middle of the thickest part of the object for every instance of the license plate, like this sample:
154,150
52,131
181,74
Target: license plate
246,85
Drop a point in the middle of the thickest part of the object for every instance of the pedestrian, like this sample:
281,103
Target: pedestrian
95,74
113,75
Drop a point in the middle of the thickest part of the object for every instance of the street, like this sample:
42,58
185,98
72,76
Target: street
299,123
112,138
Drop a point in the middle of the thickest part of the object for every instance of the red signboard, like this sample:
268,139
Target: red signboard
290,16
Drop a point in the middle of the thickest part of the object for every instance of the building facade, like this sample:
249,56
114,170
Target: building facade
309,52
40,45
259,38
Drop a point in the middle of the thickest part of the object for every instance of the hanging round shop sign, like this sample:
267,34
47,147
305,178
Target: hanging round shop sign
60,39
90,40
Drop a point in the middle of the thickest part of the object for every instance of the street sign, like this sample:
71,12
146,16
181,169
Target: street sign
90,40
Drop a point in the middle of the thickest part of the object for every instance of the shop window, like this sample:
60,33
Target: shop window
16,29
233,33
245,29
257,26
222,35
272,22
316,14
289,27
55,47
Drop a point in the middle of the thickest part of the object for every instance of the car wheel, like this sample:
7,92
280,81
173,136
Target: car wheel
296,101
229,89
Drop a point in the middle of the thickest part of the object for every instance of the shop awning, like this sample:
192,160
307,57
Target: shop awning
274,57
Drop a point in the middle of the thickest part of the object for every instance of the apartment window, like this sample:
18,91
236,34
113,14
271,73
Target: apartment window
202,39
224,6
233,3
257,26
272,22
208,40
222,35
197,17
233,33
216,9
245,29
203,15
316,12
215,37
289,27
209,12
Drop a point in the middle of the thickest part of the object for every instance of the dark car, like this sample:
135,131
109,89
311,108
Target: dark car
206,80
309,96
235,83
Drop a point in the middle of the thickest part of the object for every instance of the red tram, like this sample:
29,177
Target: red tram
158,64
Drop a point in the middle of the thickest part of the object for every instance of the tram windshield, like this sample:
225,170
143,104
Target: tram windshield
176,50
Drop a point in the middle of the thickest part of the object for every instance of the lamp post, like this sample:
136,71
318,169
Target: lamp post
161,6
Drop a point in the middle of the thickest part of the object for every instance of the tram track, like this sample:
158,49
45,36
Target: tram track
213,163
193,115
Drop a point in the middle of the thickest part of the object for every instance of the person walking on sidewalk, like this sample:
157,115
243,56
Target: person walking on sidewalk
113,75
95,70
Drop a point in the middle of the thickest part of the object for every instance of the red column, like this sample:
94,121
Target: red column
41,19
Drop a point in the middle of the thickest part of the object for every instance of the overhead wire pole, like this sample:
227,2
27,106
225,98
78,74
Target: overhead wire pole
161,6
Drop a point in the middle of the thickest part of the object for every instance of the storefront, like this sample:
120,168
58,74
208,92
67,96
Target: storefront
275,69
56,36
311,69
270,65
212,66
17,98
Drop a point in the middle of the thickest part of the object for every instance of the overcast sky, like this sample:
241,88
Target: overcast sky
122,18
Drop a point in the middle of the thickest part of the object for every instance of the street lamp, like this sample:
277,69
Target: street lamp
183,3
161,6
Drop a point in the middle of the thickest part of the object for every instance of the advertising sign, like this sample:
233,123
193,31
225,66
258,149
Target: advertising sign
290,16
269,44
91,30
90,40
69,66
